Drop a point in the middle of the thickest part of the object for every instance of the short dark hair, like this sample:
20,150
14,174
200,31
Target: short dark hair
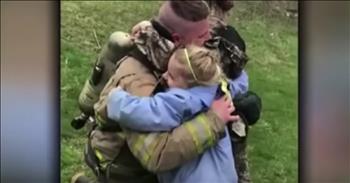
190,10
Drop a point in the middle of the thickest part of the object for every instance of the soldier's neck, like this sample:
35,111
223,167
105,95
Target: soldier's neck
161,29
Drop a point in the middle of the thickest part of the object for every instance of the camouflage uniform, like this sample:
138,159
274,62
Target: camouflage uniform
241,160
219,18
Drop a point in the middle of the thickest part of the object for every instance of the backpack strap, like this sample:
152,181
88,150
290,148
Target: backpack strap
138,55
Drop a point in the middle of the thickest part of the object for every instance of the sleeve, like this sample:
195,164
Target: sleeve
163,151
240,84
161,112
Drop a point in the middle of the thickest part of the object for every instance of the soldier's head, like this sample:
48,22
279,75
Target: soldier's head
193,65
187,21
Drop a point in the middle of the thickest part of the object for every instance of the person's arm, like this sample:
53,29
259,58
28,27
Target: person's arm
240,84
167,150
161,112
163,151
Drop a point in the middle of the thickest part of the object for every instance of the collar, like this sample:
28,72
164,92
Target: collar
161,30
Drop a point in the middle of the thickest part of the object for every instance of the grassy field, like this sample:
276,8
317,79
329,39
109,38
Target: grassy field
272,47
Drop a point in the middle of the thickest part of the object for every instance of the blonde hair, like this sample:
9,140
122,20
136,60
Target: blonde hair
200,66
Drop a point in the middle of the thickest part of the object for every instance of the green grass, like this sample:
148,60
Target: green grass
272,48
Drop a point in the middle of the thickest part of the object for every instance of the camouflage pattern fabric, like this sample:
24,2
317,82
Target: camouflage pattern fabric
241,160
157,49
219,18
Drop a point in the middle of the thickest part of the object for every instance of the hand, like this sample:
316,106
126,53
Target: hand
135,31
223,108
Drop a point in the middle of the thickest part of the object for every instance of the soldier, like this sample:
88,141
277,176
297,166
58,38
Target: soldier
116,154
220,12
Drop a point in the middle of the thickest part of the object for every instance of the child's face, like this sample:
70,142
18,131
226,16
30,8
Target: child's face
173,75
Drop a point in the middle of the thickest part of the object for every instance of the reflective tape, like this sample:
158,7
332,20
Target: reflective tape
203,120
201,133
143,145
224,88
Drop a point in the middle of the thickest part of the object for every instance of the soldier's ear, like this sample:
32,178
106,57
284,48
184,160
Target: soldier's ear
176,38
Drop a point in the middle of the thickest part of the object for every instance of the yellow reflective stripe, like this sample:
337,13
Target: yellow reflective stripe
192,130
100,158
149,145
204,137
201,134
202,119
99,155
132,143
136,145
121,135
224,86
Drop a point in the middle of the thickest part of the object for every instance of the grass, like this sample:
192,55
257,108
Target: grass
272,48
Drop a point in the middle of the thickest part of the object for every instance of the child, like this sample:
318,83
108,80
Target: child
193,78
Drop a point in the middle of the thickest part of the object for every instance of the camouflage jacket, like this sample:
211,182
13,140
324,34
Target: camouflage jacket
217,17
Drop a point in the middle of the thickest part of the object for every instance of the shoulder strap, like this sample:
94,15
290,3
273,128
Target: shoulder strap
136,53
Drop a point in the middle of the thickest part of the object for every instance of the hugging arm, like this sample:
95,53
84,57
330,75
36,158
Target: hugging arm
161,112
160,151
240,84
